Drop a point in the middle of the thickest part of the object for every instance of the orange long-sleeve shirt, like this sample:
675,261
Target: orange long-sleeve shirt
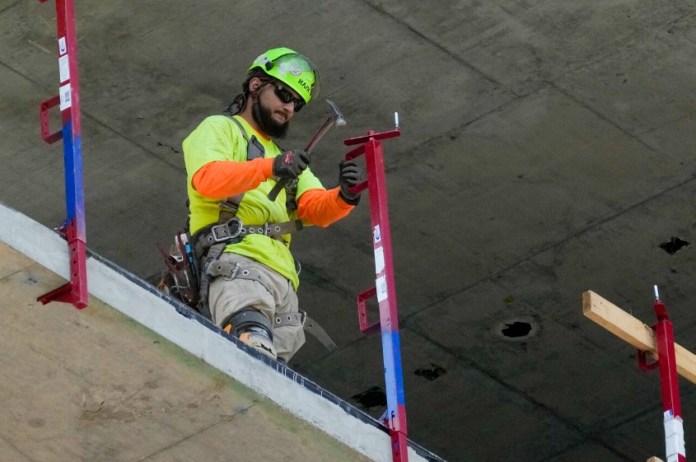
222,179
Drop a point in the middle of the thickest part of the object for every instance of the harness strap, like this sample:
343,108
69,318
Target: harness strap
255,150
228,207
231,270
273,229
308,324
212,255
234,230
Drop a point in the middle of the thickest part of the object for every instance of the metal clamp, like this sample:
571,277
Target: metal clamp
224,232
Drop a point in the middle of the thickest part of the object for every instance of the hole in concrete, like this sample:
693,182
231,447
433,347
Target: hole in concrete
431,374
372,397
517,329
674,245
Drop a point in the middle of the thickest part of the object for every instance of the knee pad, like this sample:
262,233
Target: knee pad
248,319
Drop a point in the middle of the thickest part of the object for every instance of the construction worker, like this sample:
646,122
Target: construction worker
241,238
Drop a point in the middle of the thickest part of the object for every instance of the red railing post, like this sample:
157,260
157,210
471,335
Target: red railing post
385,288
68,99
669,384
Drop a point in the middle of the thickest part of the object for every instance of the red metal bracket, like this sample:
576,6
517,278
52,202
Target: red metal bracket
72,292
75,291
366,328
371,135
46,134
644,362
66,294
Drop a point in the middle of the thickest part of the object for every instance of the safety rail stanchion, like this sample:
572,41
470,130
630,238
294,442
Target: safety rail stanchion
669,382
68,99
658,344
384,290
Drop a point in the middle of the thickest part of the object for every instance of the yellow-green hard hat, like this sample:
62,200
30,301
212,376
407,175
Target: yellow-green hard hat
291,68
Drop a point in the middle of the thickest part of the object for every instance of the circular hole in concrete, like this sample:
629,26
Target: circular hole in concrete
517,329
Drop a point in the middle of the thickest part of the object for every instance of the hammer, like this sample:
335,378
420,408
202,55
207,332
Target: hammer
335,118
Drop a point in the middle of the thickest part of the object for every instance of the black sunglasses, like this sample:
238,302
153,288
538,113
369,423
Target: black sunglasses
286,96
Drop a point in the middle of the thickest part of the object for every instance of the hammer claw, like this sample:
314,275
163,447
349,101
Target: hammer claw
335,118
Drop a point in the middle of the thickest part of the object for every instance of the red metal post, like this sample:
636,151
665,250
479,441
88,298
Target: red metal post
385,288
75,291
671,405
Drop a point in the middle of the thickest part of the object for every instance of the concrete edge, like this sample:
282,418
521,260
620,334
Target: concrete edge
172,320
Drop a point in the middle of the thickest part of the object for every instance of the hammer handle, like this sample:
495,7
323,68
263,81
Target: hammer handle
276,189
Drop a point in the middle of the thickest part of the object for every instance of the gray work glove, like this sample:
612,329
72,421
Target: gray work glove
349,174
290,164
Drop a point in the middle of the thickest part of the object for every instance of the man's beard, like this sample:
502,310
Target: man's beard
263,117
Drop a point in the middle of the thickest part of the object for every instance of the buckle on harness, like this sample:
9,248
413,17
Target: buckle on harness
226,231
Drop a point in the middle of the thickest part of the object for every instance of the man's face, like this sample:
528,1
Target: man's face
271,113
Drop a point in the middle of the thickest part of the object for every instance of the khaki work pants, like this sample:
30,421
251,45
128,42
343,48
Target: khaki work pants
268,292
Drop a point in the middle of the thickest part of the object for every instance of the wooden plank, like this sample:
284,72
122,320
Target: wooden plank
634,331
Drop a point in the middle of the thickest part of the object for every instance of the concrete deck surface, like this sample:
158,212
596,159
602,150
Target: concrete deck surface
93,385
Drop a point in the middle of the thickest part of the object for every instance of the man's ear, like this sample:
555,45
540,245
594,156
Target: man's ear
254,85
